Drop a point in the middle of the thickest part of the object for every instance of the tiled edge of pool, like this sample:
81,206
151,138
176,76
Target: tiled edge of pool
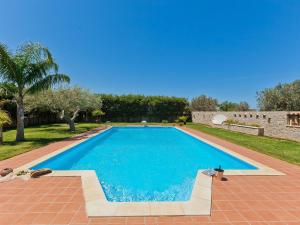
97,205
199,204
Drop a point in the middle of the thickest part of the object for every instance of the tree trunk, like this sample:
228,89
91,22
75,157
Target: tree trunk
70,122
20,120
71,125
1,135
86,117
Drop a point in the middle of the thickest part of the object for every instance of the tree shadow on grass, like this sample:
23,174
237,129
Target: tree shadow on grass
34,141
80,134
62,130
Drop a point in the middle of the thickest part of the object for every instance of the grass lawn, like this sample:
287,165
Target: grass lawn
281,149
38,136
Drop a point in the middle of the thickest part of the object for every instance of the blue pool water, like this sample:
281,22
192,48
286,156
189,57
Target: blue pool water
144,163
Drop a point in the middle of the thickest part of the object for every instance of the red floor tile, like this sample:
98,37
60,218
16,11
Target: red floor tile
241,200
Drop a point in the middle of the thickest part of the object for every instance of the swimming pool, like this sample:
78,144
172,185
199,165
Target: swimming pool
138,164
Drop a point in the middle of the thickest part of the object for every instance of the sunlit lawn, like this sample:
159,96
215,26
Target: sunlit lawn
38,136
282,149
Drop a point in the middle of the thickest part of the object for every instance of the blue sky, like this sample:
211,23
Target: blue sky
225,49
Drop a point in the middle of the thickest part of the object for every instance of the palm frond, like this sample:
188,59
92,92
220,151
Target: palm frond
8,68
49,59
8,89
29,68
48,82
33,56
37,62
36,71
34,52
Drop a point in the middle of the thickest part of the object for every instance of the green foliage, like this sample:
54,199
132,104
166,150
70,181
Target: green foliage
165,121
134,108
204,103
68,100
243,106
231,121
228,106
4,118
280,98
98,112
232,106
183,118
9,106
237,122
30,70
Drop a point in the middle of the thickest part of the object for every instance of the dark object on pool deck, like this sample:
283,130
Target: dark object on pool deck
219,173
6,171
38,173
22,172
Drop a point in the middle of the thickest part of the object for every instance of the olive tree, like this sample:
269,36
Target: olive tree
232,106
66,102
204,103
228,106
280,98
243,106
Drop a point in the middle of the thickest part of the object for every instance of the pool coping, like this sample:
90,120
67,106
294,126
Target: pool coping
96,203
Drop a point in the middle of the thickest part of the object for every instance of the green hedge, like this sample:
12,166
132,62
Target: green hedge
134,108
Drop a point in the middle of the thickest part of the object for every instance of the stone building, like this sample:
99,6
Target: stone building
280,124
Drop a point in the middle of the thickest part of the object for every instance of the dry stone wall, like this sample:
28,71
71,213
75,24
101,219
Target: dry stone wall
275,123
243,129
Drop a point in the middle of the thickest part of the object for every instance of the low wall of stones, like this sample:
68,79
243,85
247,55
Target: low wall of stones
275,124
243,129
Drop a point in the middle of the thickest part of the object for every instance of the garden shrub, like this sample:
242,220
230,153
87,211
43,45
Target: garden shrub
135,108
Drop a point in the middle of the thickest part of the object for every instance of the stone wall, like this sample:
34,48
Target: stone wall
275,123
259,131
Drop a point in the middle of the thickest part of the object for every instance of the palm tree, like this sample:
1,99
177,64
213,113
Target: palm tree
4,119
30,70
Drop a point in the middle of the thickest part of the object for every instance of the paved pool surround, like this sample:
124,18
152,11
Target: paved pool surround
199,204
240,200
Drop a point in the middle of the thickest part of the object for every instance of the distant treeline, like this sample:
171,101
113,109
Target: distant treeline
134,108
117,108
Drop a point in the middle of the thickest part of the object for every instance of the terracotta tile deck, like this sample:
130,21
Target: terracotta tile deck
241,200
